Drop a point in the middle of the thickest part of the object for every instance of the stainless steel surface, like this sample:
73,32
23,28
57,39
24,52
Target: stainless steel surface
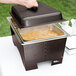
15,31
52,26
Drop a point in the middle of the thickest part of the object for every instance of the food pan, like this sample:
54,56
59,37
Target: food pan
52,27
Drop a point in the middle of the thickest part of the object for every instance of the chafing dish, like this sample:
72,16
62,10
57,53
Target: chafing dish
37,35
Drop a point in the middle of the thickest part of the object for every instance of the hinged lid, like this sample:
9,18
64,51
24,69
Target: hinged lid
28,18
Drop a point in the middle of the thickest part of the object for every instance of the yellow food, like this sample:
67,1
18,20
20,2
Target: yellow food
34,35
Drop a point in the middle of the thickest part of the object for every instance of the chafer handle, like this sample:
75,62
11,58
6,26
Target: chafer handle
34,9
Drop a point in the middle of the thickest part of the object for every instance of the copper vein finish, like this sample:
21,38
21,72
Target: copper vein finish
31,54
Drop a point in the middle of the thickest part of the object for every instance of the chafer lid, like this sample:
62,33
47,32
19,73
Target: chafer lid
27,18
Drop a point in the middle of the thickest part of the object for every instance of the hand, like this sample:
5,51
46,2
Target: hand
27,3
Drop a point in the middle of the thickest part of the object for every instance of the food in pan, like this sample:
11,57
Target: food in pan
34,35
14,22
40,32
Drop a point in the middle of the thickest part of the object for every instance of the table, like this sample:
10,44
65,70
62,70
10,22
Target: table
11,63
